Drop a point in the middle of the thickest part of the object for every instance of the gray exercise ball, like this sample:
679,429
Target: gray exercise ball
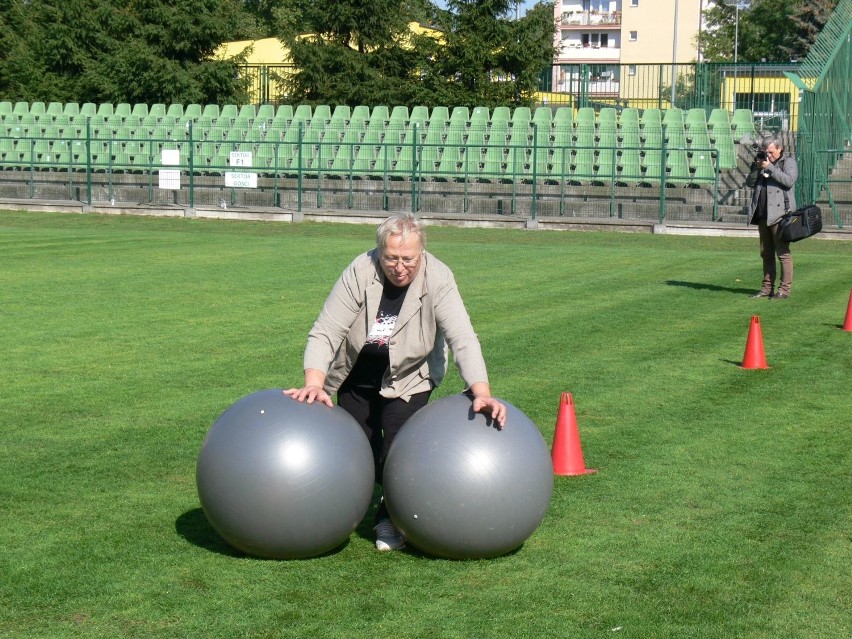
459,488
282,479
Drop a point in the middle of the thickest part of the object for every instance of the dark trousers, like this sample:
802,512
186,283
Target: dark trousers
381,418
772,245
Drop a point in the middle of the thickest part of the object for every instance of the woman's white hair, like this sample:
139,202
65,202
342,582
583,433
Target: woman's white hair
402,225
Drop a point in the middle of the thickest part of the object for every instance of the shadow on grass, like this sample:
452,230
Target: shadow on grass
711,287
196,529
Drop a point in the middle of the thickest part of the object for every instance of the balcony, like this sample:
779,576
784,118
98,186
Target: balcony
573,50
600,19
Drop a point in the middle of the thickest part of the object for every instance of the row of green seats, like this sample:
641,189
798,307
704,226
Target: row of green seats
268,113
631,165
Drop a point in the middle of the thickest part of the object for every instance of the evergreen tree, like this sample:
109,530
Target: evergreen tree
769,30
808,20
113,51
487,58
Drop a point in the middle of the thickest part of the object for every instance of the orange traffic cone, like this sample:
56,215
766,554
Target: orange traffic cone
567,454
847,325
754,357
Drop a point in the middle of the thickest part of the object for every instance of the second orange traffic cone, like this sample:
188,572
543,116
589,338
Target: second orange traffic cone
754,357
847,325
567,453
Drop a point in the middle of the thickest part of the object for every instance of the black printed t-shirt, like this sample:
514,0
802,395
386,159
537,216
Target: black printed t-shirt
374,358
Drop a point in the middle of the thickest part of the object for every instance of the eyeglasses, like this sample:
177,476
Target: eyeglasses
407,262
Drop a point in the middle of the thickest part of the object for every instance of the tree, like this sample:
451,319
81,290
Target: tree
487,58
348,52
114,51
769,30
808,20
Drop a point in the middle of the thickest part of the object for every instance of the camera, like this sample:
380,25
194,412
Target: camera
761,156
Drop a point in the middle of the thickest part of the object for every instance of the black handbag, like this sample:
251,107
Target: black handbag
802,223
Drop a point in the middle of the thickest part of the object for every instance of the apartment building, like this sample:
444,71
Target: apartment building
611,36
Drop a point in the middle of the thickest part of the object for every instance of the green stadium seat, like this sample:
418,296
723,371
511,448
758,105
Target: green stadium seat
123,109
519,133
719,117
675,135
673,115
677,164
341,163
559,168
439,115
472,162
399,114
429,156
493,163
420,113
479,114
704,171
455,135
265,112
230,111
727,152
476,132
21,108
630,166
521,115
361,112
743,123
210,111
37,109
175,111
564,116
341,112
362,166
652,117
695,117
606,164
139,110
460,114
563,134
516,164
585,115
498,132
6,108
55,109
157,110
652,165
607,115
543,115
629,117
501,113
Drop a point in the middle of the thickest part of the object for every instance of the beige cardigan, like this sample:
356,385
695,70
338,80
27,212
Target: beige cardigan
432,317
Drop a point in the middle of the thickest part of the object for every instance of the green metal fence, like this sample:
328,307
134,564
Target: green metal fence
762,88
825,118
522,167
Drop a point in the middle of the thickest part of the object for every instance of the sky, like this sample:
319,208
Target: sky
525,5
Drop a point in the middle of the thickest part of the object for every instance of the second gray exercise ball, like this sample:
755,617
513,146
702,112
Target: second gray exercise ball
459,488
282,479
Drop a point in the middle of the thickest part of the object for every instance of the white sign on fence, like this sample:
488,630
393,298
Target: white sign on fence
241,180
170,178
240,158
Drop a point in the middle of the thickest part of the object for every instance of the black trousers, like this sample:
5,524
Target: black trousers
381,418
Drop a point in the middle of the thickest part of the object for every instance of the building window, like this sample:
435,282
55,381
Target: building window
631,69
634,3
634,36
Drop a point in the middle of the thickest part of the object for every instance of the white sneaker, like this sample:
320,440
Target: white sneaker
388,537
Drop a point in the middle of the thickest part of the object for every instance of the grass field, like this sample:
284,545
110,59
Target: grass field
721,507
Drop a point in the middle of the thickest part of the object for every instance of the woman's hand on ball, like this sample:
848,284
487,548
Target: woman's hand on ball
491,406
310,394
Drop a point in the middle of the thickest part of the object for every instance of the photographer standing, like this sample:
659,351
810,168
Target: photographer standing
773,176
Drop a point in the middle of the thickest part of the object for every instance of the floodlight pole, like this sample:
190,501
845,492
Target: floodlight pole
739,5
